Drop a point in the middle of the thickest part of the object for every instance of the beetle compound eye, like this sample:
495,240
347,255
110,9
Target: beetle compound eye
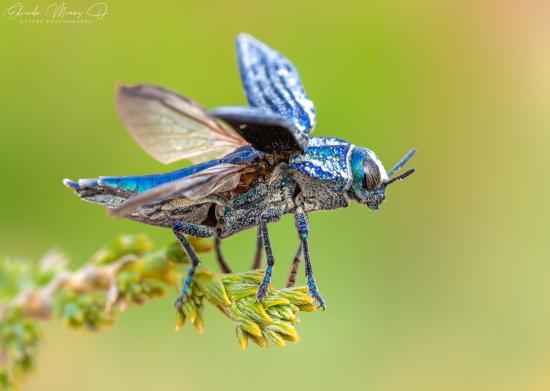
369,181
372,175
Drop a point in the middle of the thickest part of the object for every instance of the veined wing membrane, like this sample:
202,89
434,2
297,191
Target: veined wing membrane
171,127
216,179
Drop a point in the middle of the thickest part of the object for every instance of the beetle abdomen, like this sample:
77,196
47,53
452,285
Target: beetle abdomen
145,182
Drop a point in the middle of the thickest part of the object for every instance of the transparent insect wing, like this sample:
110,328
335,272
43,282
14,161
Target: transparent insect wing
272,83
171,127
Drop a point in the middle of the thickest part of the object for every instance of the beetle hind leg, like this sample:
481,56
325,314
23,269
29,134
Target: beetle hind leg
291,279
224,266
199,231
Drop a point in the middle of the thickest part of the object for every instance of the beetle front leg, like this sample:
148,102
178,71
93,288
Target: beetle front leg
199,231
302,225
267,216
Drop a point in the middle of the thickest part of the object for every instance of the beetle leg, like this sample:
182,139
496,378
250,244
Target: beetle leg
199,231
219,256
257,262
302,225
267,216
291,279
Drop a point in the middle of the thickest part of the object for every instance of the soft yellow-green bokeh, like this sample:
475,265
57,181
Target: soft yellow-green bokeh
445,288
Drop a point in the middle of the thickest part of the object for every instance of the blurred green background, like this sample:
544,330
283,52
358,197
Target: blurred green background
445,288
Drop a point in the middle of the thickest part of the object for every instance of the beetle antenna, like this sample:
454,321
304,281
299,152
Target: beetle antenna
402,162
401,177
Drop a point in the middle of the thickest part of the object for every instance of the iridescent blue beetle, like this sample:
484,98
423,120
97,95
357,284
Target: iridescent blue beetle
253,164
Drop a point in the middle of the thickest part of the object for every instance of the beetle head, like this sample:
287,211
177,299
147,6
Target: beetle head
370,178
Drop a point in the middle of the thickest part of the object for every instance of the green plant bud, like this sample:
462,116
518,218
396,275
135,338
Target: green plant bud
251,309
275,337
297,295
238,291
180,320
174,253
275,299
199,321
157,266
200,245
284,329
250,327
261,340
242,337
189,310
212,288
308,307
251,276
5,383
122,245
281,312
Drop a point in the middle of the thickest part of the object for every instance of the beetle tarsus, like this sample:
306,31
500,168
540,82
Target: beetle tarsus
263,288
179,301
315,294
